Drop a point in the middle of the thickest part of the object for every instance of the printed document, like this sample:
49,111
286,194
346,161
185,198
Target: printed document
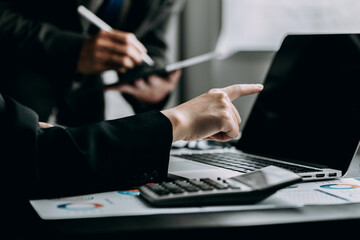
129,203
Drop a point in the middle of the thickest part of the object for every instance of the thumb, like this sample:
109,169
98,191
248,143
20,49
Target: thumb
45,125
239,90
126,88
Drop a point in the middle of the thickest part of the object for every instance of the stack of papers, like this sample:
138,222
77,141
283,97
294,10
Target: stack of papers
129,203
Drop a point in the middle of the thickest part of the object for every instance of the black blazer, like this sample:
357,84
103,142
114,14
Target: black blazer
47,163
40,42
60,161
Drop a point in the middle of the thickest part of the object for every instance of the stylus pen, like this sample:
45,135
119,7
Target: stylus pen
90,16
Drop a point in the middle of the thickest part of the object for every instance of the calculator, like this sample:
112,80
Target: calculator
242,189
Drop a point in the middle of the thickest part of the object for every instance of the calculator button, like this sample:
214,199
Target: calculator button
171,187
177,190
159,190
183,184
192,189
232,184
187,186
203,186
214,183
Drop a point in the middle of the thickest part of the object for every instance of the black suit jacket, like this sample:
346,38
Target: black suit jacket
40,42
46,163
60,161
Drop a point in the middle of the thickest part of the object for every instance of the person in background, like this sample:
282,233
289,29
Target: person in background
53,59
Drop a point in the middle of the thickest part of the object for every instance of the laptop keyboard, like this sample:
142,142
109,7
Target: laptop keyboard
240,162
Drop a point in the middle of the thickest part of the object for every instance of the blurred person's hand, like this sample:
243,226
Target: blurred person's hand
115,50
153,90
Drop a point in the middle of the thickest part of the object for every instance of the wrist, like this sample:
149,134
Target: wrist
178,123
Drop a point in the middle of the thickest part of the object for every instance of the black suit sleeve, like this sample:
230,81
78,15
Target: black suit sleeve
31,41
104,156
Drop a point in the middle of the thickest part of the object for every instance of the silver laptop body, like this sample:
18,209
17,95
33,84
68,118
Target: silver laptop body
306,118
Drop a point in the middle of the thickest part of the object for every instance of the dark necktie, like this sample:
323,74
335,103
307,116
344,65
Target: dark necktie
112,11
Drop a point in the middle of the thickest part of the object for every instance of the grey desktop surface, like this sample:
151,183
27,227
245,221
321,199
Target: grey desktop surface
311,218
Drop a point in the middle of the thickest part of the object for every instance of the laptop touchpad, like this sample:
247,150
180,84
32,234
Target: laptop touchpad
190,169
177,164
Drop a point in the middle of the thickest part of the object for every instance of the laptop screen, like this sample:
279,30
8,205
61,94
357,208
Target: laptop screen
309,108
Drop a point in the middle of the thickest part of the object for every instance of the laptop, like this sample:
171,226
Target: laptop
307,118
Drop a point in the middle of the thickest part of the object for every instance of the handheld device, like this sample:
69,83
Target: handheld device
142,71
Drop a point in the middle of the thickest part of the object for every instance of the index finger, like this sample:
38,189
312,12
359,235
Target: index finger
239,90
